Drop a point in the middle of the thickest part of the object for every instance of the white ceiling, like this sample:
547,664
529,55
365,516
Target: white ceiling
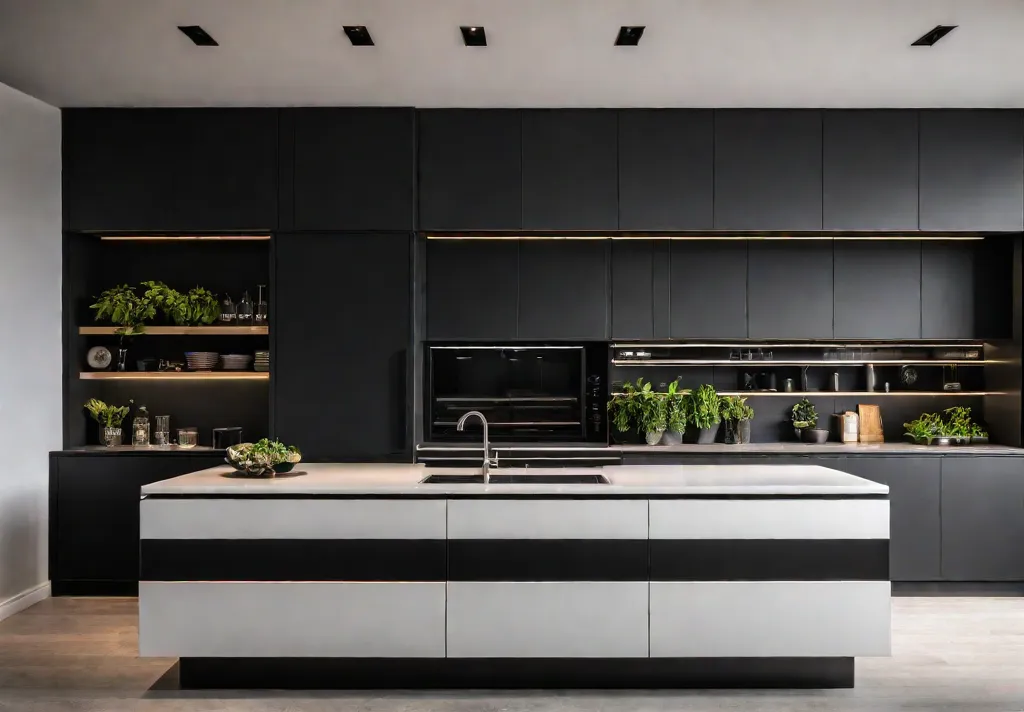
721,53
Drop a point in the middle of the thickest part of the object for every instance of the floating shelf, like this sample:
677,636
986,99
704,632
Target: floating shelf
174,376
866,394
767,363
180,331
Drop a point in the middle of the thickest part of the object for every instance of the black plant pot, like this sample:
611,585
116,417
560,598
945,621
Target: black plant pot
815,436
706,436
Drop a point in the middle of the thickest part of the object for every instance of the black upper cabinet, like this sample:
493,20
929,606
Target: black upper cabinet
353,169
563,289
570,172
768,169
947,291
633,289
877,290
666,169
870,170
172,170
341,340
709,290
775,270
972,170
470,169
472,289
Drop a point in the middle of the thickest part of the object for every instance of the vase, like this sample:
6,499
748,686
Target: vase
707,436
672,438
112,437
815,436
737,432
655,437
122,359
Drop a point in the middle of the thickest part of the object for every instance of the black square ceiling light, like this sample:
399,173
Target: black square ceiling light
474,36
933,35
198,35
358,35
629,35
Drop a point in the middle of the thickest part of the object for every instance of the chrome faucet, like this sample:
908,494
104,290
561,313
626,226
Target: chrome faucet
488,462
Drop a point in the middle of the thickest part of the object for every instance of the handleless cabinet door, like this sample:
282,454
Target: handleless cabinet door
570,170
870,170
633,289
774,268
877,290
947,291
972,170
666,169
472,289
563,289
709,290
767,169
470,169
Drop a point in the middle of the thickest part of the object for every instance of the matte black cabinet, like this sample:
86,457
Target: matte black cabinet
790,290
947,291
972,170
472,289
563,289
341,336
709,289
666,169
982,519
877,290
870,170
633,289
94,517
570,170
171,170
470,169
768,169
351,169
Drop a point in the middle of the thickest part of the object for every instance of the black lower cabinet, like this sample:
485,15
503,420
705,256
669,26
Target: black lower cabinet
94,517
983,519
340,345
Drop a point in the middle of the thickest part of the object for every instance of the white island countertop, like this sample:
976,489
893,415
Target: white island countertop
400,480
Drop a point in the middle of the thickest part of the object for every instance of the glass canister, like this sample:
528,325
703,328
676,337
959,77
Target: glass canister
162,430
140,428
244,312
188,437
227,312
262,310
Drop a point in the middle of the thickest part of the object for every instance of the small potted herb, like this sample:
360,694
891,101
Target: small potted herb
126,310
979,436
622,410
737,416
923,429
677,415
705,413
805,418
957,424
639,407
109,418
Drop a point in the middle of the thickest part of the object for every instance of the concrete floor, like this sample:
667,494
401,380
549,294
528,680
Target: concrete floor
955,654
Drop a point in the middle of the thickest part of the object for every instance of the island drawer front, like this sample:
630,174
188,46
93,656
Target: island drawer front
769,519
252,518
547,519
374,620
549,619
770,619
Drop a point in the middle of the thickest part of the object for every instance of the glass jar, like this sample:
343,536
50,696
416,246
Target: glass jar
243,315
227,312
188,437
140,428
112,437
260,318
162,430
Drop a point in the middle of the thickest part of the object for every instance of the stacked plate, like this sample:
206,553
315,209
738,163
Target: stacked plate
262,361
235,362
201,360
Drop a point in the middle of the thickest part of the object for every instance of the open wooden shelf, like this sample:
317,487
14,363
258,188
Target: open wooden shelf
853,394
181,330
174,376
769,363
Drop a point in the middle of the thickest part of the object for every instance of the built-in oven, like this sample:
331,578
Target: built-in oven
528,393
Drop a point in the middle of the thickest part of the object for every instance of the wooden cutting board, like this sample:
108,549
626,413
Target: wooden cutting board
870,424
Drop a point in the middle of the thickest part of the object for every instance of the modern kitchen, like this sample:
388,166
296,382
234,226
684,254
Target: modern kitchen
373,392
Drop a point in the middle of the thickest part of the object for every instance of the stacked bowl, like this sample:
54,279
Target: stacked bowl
262,362
235,362
201,360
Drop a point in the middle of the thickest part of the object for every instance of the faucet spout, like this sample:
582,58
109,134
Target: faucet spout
488,463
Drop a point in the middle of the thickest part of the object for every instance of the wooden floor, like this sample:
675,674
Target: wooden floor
955,654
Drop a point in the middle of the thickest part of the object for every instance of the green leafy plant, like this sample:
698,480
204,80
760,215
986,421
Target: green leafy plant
977,431
925,427
197,307
956,422
263,458
677,405
804,415
640,406
735,409
108,416
124,308
705,407
622,407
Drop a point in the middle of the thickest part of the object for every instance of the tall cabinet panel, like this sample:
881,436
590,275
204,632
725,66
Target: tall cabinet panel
709,289
666,169
472,289
877,290
353,169
870,170
470,170
972,170
767,170
570,171
633,289
340,343
563,289
775,269
947,291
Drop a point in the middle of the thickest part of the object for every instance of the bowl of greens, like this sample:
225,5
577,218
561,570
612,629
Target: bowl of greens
266,458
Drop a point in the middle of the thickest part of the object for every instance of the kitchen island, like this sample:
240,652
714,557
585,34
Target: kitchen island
363,576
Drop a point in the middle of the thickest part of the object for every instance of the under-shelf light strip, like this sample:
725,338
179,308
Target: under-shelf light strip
820,238
183,238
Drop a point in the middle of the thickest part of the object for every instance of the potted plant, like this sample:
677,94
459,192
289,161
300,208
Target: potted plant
622,409
957,424
109,418
639,408
923,429
979,436
677,413
737,416
126,310
705,413
805,418
197,307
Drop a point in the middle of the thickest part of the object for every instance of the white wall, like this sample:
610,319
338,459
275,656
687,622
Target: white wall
30,338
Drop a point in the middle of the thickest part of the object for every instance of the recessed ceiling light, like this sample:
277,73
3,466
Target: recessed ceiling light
474,36
934,36
198,35
630,35
358,35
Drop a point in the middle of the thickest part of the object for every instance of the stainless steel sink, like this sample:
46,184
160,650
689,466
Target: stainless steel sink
507,478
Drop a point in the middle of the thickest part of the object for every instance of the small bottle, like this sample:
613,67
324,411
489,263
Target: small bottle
260,318
140,428
835,381
244,311
227,312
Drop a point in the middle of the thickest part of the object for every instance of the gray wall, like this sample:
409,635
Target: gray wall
30,336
